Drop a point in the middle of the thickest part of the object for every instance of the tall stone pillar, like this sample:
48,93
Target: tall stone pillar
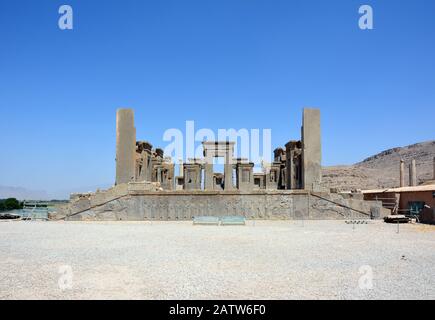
413,173
402,173
208,173
434,168
146,174
311,150
125,146
228,167
293,165
143,160
180,168
288,165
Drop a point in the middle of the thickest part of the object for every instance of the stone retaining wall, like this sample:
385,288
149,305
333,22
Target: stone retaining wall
139,206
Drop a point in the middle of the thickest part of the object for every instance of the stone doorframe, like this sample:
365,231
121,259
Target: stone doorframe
215,149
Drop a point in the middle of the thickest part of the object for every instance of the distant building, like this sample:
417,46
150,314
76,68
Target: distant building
408,200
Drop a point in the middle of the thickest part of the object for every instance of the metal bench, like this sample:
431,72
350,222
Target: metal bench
206,220
223,221
233,221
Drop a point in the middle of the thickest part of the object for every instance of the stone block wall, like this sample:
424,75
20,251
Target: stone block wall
173,206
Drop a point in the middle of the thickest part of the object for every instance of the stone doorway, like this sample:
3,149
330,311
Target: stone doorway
218,149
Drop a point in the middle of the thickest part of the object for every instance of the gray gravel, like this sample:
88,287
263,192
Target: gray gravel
175,260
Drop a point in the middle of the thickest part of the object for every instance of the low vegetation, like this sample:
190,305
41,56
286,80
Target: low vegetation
10,204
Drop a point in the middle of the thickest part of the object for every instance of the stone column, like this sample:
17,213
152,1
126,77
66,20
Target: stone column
288,165
147,170
180,168
155,162
159,175
413,173
125,146
138,165
144,174
208,152
311,150
228,168
434,169
293,165
208,173
402,173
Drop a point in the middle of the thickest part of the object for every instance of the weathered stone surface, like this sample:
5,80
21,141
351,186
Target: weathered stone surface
164,205
413,173
245,176
311,150
293,161
192,176
402,173
144,155
145,183
213,149
125,146
272,176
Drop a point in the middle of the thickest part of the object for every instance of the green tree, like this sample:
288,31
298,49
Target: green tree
12,204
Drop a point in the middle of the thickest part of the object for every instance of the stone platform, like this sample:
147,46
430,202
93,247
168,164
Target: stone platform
131,203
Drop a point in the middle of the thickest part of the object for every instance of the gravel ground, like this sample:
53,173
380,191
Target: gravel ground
175,260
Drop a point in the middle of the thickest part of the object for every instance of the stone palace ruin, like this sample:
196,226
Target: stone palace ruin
146,187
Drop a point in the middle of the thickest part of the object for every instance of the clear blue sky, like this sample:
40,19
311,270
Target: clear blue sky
172,61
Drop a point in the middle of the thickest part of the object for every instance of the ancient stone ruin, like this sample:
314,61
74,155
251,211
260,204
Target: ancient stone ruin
146,187
296,167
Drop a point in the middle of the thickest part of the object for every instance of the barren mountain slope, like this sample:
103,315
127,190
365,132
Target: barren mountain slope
382,170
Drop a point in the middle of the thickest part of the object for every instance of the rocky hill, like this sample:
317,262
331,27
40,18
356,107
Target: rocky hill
382,170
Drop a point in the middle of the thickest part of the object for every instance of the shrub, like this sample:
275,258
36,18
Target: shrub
10,204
